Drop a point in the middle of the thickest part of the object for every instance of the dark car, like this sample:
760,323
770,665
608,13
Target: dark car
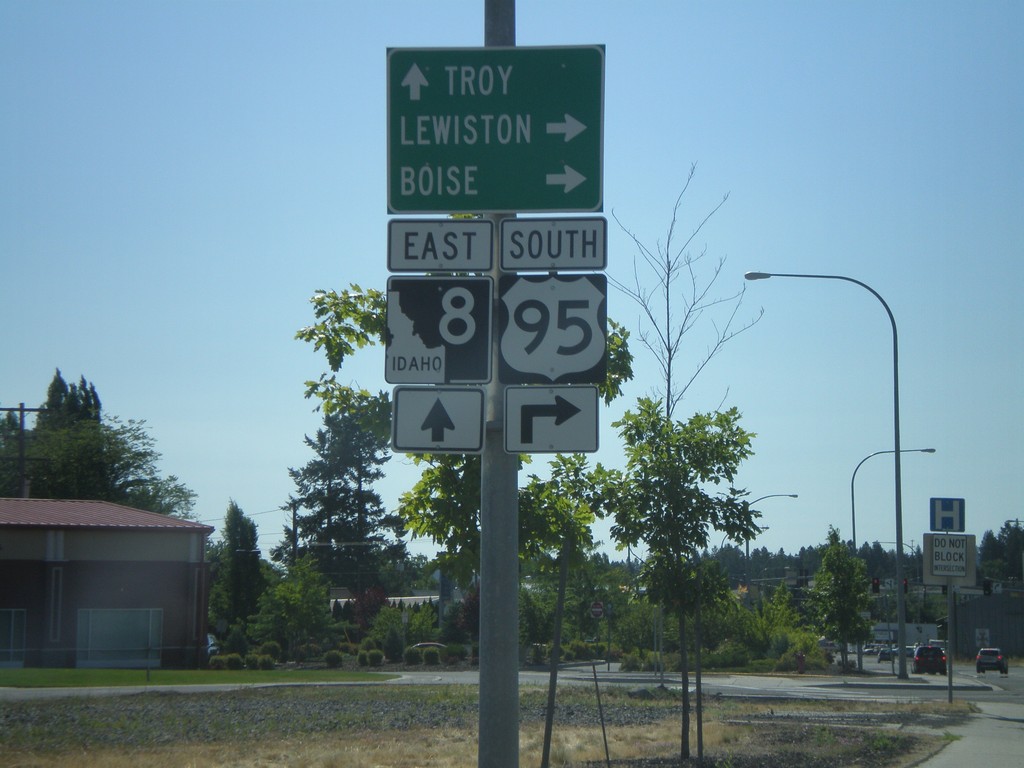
885,654
930,659
991,658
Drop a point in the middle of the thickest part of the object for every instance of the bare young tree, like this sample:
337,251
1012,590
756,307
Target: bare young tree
681,294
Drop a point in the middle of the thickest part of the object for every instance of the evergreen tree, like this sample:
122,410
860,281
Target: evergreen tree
69,405
341,520
75,453
238,580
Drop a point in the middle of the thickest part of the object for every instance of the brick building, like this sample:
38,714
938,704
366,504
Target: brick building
95,584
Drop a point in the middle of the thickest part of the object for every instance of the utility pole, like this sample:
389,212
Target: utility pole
21,410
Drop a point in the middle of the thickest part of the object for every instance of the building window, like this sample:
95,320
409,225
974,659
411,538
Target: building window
56,593
119,637
12,637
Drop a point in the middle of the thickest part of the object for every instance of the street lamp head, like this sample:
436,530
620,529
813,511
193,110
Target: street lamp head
757,275
927,450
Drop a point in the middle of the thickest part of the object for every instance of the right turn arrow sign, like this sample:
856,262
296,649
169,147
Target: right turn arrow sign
551,419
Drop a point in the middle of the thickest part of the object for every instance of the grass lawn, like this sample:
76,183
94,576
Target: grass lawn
35,677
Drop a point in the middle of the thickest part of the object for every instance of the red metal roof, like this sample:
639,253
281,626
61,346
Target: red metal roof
59,513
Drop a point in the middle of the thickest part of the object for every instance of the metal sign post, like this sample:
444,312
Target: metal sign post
950,638
496,130
498,745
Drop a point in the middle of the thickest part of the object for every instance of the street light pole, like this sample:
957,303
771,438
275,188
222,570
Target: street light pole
853,503
900,599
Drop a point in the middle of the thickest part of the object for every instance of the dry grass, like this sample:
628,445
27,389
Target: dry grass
844,732
409,749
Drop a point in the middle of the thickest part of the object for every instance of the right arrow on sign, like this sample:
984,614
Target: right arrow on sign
571,127
562,410
437,422
569,178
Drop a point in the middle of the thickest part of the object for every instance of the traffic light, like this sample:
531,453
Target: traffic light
986,586
904,586
876,585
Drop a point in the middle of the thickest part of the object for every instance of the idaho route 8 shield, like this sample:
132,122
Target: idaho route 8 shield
439,330
553,329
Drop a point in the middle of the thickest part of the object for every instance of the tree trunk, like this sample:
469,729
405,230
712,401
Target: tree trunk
684,662
556,653
698,640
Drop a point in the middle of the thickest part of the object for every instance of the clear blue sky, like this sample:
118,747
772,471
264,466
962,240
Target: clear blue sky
177,178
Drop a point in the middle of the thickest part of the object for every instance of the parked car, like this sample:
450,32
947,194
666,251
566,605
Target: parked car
930,659
885,654
991,658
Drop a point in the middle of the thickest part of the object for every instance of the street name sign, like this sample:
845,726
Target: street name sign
440,245
949,556
554,244
439,330
437,420
553,329
551,419
947,515
495,129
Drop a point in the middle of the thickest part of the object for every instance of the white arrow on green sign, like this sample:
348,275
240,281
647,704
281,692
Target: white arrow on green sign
495,129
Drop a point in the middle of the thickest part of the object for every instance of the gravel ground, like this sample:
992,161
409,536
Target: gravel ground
771,736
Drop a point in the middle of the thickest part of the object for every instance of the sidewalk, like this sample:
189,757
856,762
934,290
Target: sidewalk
991,739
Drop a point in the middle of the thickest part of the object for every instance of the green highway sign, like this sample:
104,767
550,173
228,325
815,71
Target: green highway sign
495,129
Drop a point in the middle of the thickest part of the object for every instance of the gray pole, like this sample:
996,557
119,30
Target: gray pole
901,602
499,528
950,639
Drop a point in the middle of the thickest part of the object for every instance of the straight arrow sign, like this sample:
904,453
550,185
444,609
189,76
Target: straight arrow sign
414,81
437,420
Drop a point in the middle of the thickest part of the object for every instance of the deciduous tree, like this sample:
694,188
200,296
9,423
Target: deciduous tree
839,596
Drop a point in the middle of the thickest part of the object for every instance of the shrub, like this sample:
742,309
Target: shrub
537,654
236,641
368,644
456,652
218,663
349,649
266,661
728,655
271,648
363,659
413,655
580,650
376,657
333,659
252,661
431,656
632,662
393,644
228,661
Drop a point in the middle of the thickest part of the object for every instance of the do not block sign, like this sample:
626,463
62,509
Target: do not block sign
949,557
